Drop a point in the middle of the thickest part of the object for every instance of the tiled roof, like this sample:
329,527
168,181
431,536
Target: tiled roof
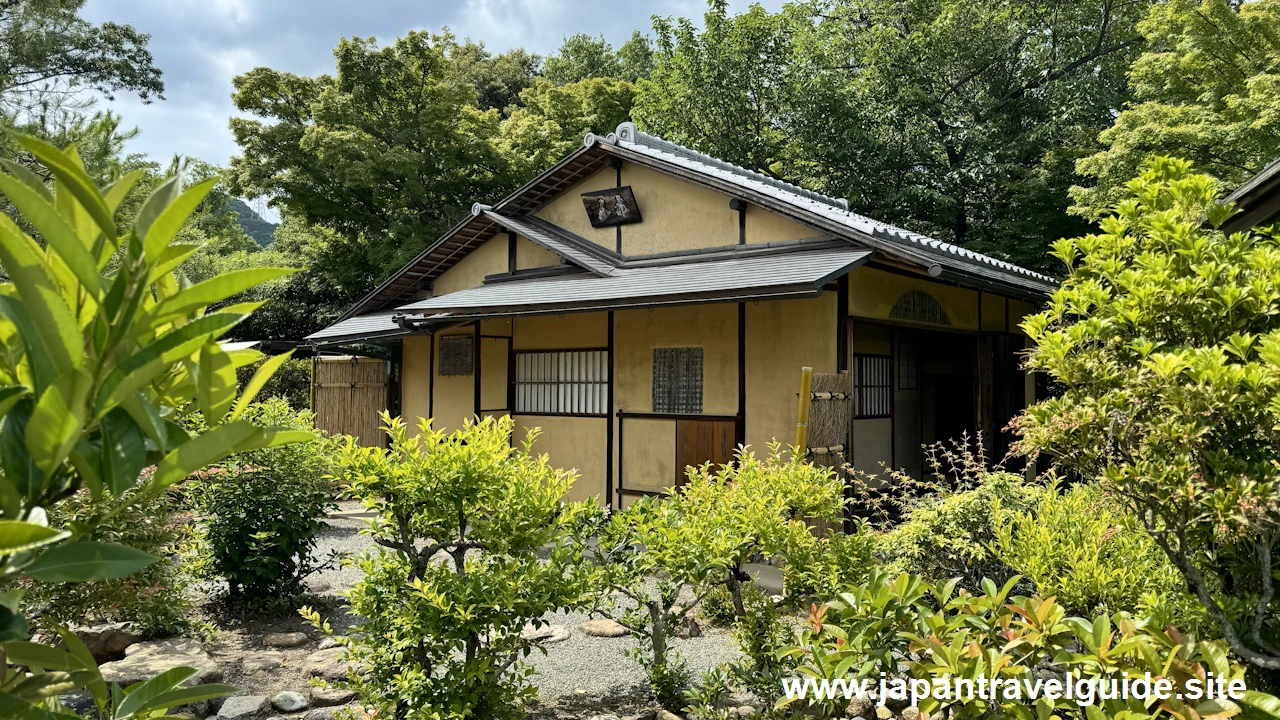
628,137
378,324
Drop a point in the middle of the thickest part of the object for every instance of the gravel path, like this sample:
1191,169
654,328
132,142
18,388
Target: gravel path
580,666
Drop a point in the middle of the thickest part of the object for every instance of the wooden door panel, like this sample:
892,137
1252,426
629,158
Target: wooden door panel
700,441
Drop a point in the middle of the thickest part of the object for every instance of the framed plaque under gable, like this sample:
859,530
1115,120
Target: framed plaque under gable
614,206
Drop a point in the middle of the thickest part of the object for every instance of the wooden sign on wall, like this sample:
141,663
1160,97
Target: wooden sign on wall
614,206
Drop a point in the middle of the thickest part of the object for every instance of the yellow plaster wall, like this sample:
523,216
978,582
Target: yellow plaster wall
415,380
530,254
872,339
873,292
564,332
1017,311
571,443
993,307
764,226
567,211
782,337
676,215
714,328
493,373
470,271
649,454
455,394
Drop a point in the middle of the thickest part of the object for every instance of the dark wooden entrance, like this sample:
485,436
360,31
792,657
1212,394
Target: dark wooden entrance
700,441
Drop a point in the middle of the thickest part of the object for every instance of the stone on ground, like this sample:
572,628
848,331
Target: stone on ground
243,707
286,640
328,643
108,642
328,713
326,664
259,661
667,715
546,634
603,628
604,717
328,697
145,660
289,701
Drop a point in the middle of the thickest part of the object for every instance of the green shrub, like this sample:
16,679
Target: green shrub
1083,549
874,630
102,348
291,381
155,600
947,527
260,513
1165,340
442,636
818,567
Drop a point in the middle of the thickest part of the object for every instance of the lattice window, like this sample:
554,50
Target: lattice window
563,382
457,355
908,367
872,386
677,380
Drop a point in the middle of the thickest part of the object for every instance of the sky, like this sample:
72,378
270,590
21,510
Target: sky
200,45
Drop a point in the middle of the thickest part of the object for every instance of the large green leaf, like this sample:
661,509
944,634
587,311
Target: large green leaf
140,697
179,697
96,686
1268,704
144,366
40,362
170,220
172,257
11,708
27,176
216,386
212,291
85,560
124,451
55,326
54,229
20,471
24,652
18,536
198,452
9,396
70,174
274,437
160,198
258,381
59,416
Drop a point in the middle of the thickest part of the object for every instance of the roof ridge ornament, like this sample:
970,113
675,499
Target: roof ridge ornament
477,208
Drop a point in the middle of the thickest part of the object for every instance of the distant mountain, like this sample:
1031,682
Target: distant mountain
254,226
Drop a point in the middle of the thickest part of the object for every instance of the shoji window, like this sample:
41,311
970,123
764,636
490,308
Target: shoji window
908,367
562,382
872,386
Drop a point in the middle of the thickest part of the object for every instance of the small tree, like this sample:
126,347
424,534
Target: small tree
1165,337
698,538
101,350
477,544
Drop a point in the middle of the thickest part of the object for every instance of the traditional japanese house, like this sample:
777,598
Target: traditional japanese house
651,307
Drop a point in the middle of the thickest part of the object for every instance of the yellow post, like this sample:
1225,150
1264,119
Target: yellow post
802,425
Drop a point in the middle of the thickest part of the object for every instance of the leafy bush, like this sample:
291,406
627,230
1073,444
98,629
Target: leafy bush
947,528
101,348
155,600
818,567
292,382
700,536
942,635
475,544
1084,550
1165,339
261,512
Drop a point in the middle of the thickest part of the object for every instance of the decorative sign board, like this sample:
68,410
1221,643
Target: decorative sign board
614,206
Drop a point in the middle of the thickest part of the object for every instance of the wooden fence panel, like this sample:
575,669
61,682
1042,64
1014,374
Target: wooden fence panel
350,393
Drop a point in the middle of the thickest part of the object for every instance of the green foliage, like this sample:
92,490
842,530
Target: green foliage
442,635
97,364
554,119
154,600
1165,341
1083,549
819,567
149,700
336,151
942,635
1207,89
947,526
260,512
960,119
45,46
582,57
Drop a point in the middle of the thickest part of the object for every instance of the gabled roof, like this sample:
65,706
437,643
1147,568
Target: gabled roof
827,214
1257,200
